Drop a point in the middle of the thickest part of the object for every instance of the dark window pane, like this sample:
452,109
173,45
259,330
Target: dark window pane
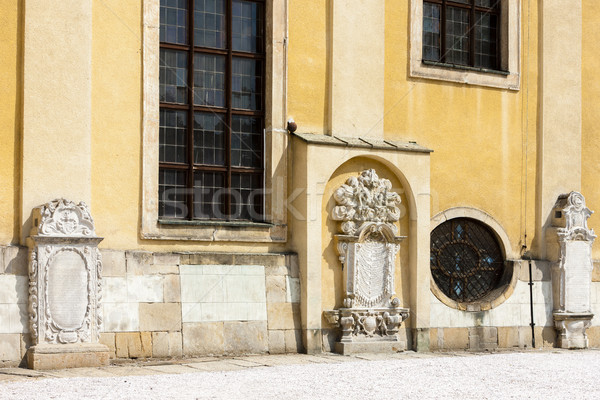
493,4
209,139
173,22
209,80
247,26
246,142
173,76
171,194
485,40
173,136
209,195
431,32
209,23
246,83
246,196
457,39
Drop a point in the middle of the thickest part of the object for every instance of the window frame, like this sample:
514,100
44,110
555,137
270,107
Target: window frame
472,9
275,142
226,113
508,75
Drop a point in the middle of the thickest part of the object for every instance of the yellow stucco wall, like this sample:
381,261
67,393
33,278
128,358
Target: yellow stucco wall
590,113
483,138
10,118
308,85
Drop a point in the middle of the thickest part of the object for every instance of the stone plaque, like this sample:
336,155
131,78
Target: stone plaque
67,289
578,277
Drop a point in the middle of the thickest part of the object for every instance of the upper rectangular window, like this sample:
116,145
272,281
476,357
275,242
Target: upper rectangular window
462,32
473,42
212,85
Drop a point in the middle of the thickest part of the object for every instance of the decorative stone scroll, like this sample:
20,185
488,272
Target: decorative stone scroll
65,288
367,247
572,272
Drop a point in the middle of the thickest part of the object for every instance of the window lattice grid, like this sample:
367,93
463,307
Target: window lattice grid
172,192
209,139
173,136
173,73
466,259
209,191
209,80
173,17
246,196
247,31
486,32
457,36
246,142
246,83
210,29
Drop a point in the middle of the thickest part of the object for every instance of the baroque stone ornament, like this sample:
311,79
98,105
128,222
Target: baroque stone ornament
65,288
366,198
370,317
572,270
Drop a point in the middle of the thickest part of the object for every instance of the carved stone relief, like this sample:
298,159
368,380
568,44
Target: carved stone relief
572,272
65,282
367,248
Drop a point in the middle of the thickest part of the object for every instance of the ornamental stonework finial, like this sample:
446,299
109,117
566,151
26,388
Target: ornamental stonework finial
366,198
62,217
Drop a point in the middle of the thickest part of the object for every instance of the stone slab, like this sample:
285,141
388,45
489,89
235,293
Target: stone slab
42,357
369,347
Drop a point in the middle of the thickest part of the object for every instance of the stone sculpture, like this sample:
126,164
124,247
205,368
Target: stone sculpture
65,288
572,271
367,247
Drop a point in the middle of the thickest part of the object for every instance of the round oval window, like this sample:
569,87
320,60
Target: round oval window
467,261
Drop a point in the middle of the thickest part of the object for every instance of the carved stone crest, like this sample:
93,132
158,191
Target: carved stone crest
62,218
366,198
367,249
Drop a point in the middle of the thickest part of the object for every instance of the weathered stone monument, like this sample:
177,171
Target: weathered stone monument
369,319
65,288
570,244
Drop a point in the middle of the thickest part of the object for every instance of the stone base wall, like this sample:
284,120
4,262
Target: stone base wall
174,304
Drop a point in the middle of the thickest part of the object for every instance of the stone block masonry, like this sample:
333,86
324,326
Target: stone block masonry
164,305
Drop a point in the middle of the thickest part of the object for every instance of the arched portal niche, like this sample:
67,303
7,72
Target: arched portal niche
332,288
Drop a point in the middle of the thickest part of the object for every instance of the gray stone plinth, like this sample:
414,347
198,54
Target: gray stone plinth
571,329
60,356
369,347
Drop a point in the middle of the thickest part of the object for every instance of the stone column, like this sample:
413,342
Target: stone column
559,131
357,68
65,288
57,103
570,247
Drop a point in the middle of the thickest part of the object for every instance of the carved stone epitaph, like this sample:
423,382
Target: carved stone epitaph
370,318
572,272
65,288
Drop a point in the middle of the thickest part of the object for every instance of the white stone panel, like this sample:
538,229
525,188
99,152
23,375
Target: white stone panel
292,289
145,289
13,289
212,293
121,317
14,318
115,290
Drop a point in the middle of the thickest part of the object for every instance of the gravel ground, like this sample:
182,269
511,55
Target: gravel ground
490,376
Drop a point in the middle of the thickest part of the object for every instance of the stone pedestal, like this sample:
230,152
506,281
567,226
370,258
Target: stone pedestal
65,288
572,270
369,319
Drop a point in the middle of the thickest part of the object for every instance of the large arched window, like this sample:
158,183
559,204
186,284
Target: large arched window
467,261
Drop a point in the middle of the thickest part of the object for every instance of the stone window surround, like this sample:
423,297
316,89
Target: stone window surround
511,275
275,230
510,55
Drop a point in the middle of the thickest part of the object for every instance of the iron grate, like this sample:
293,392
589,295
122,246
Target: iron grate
466,259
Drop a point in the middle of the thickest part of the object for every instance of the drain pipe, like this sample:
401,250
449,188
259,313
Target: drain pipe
527,257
